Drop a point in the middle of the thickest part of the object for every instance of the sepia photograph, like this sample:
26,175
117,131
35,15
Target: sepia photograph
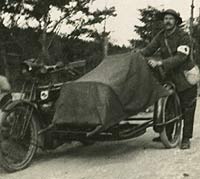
93,89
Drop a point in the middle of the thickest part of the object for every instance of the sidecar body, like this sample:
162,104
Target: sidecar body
121,86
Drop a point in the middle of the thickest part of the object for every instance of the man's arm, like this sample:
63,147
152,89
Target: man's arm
183,51
152,47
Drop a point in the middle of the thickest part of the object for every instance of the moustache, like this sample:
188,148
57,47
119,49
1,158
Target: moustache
168,23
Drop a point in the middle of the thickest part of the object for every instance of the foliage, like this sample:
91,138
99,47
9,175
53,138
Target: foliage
196,32
137,43
37,15
116,49
28,30
74,13
23,45
151,25
196,36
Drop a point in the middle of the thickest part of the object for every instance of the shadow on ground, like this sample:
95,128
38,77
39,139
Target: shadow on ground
99,150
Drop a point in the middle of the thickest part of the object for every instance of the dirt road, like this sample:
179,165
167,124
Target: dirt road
134,159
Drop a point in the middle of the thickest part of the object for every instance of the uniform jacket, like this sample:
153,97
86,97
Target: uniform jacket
176,62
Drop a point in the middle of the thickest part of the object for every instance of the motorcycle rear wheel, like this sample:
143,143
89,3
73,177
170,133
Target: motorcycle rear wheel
17,149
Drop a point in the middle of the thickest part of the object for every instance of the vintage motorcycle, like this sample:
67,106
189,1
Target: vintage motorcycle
26,123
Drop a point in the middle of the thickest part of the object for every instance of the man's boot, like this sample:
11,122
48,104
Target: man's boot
156,139
185,144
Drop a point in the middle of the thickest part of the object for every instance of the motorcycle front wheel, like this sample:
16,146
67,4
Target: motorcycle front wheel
19,136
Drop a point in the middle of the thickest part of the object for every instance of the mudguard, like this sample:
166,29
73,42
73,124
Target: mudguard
12,104
5,98
161,105
22,102
159,112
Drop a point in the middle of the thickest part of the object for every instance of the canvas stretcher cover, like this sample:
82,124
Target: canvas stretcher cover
121,86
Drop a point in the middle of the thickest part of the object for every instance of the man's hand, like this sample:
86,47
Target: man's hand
154,63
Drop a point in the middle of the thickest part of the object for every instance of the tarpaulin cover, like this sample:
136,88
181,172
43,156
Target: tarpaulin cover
121,86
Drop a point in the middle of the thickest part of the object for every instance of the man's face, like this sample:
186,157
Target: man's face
169,22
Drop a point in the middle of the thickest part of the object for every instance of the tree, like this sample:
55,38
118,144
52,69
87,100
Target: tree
37,14
151,24
196,36
137,43
196,32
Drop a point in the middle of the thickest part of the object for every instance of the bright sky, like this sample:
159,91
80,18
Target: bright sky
122,26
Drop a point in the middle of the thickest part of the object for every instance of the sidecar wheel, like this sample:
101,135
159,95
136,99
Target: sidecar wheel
170,134
17,150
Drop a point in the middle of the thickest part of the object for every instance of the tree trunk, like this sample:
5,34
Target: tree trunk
45,52
5,62
105,46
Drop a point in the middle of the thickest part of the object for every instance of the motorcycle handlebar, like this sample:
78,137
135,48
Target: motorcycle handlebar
35,68
69,67
54,67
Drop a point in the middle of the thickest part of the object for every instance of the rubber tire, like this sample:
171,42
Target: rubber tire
163,134
32,150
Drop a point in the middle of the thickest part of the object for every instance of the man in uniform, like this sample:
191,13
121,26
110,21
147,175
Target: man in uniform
174,45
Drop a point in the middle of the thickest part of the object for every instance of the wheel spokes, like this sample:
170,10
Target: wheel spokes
14,147
173,128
